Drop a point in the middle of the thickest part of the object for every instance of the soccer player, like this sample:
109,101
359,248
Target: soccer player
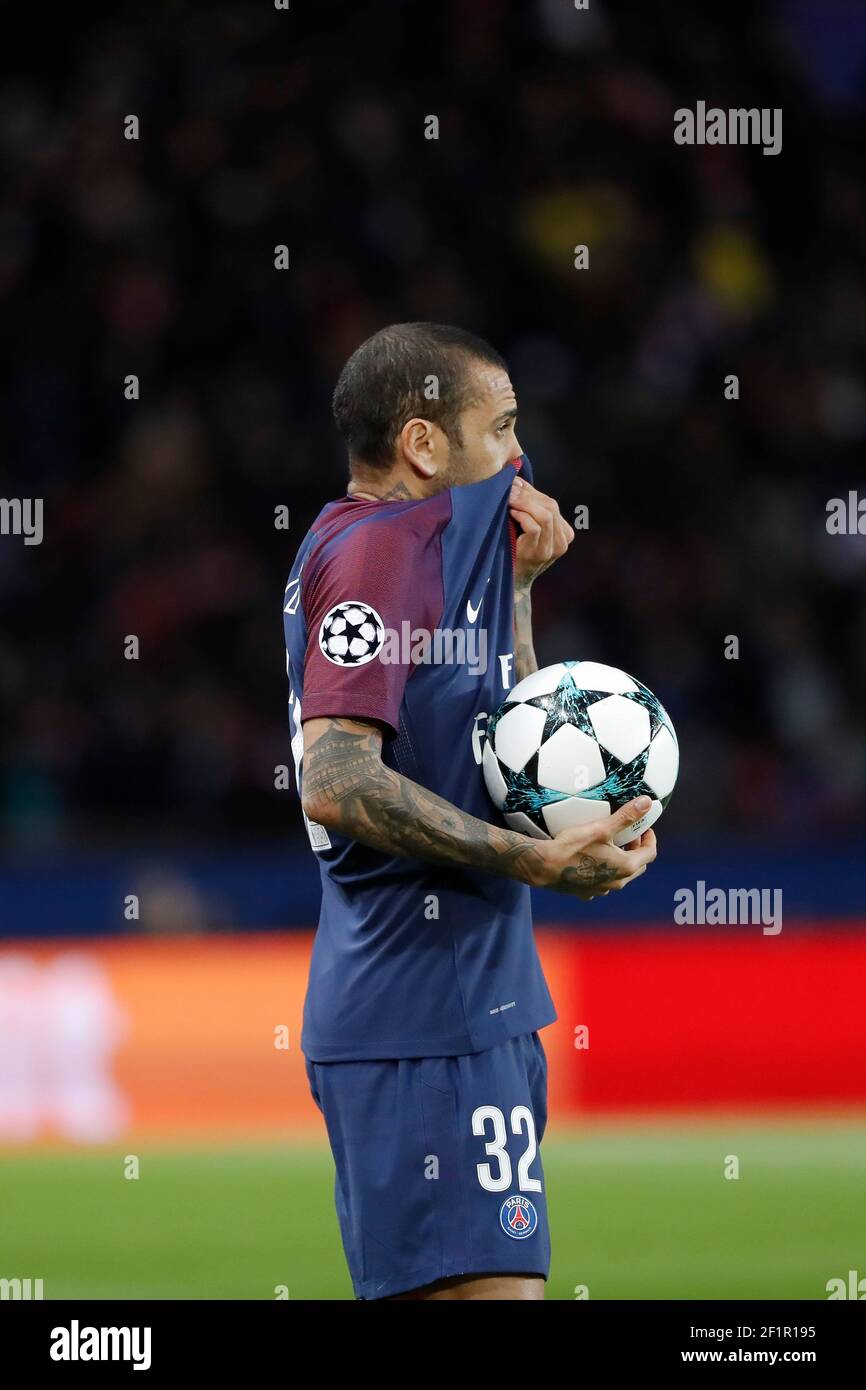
426,994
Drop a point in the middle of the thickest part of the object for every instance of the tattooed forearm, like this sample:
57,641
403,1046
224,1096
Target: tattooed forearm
346,783
524,654
347,787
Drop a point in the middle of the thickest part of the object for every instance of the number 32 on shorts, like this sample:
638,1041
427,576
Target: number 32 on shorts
521,1119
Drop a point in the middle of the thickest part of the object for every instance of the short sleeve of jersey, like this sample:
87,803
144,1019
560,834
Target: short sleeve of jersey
369,587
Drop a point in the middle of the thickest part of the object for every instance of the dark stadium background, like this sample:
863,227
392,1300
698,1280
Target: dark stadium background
707,515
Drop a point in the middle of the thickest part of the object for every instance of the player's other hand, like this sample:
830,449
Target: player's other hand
545,534
584,861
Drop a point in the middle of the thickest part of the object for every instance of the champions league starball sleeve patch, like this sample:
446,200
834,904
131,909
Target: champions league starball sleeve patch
351,634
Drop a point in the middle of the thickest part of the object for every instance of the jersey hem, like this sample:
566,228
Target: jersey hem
457,1046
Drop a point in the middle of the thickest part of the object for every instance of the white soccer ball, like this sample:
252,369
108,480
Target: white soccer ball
573,743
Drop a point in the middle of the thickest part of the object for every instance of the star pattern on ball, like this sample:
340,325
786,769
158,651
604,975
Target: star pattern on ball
658,718
583,729
524,794
570,704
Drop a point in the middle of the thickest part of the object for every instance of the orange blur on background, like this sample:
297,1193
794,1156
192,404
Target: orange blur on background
197,1038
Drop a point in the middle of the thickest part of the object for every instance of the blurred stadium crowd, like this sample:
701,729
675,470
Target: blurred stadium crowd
155,257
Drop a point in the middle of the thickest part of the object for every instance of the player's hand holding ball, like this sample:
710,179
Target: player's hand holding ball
585,861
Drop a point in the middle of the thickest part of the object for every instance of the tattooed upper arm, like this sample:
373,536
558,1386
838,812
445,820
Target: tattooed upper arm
348,788
341,756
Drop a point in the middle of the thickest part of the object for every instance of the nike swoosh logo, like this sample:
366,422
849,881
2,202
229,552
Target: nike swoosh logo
472,613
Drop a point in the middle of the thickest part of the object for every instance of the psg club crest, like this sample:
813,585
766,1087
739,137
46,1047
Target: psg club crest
351,634
518,1217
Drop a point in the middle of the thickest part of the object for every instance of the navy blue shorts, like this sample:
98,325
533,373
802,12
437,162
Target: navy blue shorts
437,1164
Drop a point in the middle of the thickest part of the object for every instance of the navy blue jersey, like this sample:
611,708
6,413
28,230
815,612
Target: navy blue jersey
403,613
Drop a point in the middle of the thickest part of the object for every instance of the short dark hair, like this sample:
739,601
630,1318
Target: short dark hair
383,385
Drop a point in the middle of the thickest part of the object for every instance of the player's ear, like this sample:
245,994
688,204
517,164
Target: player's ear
418,445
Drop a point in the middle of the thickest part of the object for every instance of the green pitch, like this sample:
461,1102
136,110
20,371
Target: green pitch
636,1212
